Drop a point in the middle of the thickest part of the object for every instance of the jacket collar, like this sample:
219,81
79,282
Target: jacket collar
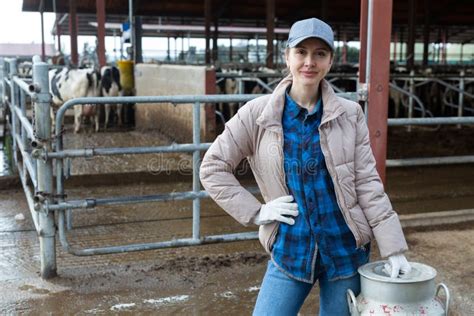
270,118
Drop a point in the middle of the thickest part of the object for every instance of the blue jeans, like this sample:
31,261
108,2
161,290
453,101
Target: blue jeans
281,295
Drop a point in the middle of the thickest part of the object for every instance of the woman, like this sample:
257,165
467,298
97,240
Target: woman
310,153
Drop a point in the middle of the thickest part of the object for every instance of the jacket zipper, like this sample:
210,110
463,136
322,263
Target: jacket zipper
271,239
339,194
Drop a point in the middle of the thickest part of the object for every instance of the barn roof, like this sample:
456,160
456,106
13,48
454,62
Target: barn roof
456,17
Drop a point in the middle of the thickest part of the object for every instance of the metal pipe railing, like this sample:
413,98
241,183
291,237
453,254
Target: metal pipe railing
65,208
25,123
30,89
196,166
411,95
29,197
181,99
90,152
124,200
431,121
411,162
30,166
147,246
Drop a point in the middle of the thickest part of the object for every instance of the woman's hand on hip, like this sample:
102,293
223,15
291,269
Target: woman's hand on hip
281,209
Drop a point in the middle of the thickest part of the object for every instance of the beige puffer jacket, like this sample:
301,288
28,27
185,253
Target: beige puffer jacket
255,132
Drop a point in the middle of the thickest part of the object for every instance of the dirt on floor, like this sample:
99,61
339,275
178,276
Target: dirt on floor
214,280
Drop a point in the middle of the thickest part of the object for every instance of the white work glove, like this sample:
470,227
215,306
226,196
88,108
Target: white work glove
397,264
280,209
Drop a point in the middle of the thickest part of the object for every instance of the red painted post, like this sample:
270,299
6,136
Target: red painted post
209,108
100,8
344,48
379,79
270,13
73,32
364,6
207,32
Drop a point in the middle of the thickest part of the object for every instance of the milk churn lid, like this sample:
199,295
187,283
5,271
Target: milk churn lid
419,272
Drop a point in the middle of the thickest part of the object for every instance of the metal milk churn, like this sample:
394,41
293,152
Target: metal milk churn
412,294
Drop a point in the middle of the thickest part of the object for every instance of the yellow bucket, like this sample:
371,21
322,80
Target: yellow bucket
126,75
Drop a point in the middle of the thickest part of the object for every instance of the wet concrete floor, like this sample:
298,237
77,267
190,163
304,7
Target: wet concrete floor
203,280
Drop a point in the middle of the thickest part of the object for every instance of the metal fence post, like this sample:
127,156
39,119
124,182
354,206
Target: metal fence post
461,95
13,101
44,192
3,74
196,163
410,100
22,101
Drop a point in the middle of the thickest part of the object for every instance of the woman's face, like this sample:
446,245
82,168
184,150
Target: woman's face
309,62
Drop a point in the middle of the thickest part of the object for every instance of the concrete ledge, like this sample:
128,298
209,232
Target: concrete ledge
437,218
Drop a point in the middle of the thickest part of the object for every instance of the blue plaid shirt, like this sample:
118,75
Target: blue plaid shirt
320,227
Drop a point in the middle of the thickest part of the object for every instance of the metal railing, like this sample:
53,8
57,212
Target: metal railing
35,156
196,194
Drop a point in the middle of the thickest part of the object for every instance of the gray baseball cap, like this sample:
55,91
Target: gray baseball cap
313,27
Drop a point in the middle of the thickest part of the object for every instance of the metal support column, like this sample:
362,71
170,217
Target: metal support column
181,56
137,35
73,32
100,8
344,48
410,99
270,32
401,45
207,31
44,170
395,42
43,50
426,33
58,34
168,48
379,79
131,27
230,49
461,95
257,48
215,37
444,59
196,164
411,35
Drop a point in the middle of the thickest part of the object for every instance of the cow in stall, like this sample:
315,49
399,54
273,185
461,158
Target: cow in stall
227,86
25,69
231,86
110,87
66,84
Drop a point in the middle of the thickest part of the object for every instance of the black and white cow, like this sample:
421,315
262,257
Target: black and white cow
66,84
110,87
236,86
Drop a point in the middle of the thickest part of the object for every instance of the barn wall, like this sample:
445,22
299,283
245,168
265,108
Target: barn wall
174,121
